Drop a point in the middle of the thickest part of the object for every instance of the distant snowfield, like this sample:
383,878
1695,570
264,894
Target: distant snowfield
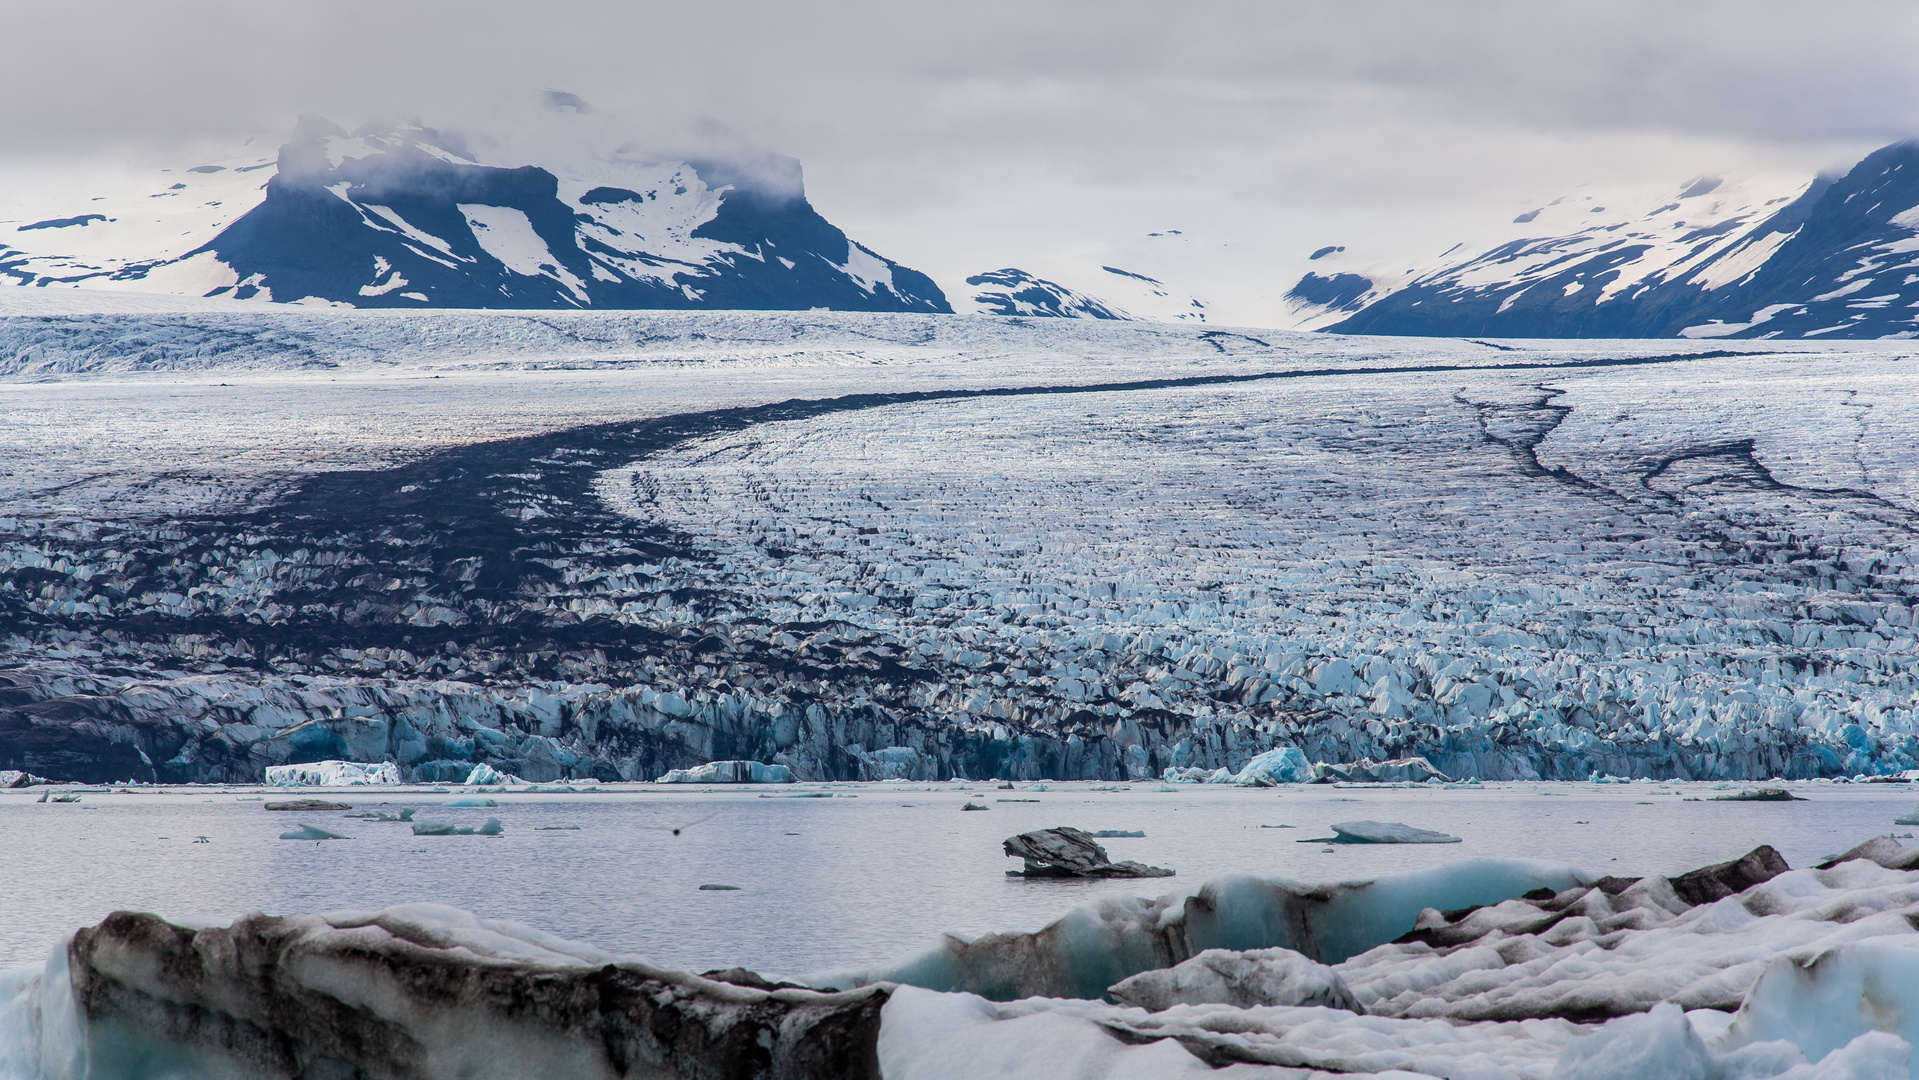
204,389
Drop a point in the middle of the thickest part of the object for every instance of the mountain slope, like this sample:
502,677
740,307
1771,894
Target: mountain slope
403,216
1830,257
1011,291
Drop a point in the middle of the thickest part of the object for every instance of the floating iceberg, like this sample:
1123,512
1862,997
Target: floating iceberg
312,832
16,778
1067,852
447,828
381,815
1501,969
1381,832
1193,774
1281,765
488,776
730,772
470,801
418,990
307,806
1098,944
334,774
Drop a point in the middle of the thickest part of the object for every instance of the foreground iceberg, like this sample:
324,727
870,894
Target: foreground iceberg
334,774
1100,943
1247,979
418,990
1482,970
730,772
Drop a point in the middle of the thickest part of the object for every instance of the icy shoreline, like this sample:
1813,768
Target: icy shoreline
1745,969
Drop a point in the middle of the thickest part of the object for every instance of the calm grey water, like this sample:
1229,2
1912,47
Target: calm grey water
877,871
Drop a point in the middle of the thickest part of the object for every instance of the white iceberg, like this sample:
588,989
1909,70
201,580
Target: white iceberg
730,772
1381,832
333,774
1280,765
488,776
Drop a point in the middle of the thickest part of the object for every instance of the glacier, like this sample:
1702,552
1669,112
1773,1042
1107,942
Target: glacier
918,546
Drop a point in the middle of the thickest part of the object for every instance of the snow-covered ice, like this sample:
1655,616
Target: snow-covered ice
1383,832
334,774
1808,975
730,772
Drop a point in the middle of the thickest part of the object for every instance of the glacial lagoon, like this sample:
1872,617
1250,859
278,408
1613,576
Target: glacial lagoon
830,875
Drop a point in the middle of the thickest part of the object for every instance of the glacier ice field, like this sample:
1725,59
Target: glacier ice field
926,561
866,546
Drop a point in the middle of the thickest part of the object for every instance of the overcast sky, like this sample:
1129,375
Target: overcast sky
962,137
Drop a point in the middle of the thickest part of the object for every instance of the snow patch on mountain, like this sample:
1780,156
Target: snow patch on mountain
1011,291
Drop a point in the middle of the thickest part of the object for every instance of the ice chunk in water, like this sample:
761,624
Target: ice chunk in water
1243,979
730,772
312,832
334,774
488,776
471,800
1381,832
447,828
1281,765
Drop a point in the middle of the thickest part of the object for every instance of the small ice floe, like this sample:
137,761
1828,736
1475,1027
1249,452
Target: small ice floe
381,815
18,778
1068,852
974,806
312,832
1245,980
307,806
333,774
719,888
447,828
729,772
470,801
1381,832
1108,834
1911,817
1765,794
70,797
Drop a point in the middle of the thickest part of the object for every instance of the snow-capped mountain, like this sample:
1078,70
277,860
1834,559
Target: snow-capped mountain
404,216
1011,291
1760,258
1094,292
